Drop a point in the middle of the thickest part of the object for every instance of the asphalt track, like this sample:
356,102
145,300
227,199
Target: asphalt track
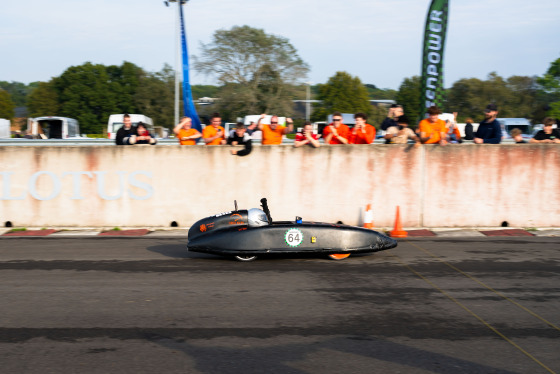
138,305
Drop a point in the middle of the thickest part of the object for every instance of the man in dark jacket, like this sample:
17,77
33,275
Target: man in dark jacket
127,133
489,130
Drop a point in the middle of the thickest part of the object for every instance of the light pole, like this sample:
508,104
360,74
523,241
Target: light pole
177,57
181,46
307,102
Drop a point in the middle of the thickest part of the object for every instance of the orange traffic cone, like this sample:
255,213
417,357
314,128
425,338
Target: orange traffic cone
368,218
398,232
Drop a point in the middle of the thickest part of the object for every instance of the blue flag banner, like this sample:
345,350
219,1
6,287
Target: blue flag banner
432,60
188,103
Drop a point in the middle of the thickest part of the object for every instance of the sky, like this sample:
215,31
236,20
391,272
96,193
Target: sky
378,41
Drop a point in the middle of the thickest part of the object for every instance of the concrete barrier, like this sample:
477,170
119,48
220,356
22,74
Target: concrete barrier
452,186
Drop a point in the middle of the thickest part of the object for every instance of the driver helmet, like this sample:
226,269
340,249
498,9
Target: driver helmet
257,217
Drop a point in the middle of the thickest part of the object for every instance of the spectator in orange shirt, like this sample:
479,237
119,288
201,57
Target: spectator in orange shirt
336,132
273,133
214,134
362,132
185,133
432,129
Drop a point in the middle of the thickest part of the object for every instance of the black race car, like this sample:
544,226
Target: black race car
245,234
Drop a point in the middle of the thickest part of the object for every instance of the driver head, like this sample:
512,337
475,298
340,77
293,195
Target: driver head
256,218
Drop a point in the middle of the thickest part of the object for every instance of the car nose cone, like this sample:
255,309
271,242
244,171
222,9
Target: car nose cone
385,242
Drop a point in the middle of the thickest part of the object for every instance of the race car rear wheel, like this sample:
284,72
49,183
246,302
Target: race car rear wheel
339,256
245,258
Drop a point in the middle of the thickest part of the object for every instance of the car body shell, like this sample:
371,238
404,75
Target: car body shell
230,234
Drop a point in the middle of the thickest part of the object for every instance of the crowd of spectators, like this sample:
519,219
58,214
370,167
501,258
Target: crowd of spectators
436,128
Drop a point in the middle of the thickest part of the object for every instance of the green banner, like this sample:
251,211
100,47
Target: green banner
432,60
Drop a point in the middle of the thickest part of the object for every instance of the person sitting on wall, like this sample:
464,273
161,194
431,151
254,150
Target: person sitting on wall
362,132
185,133
143,136
489,131
126,135
307,137
547,134
336,132
516,135
214,134
432,129
240,137
273,133
401,133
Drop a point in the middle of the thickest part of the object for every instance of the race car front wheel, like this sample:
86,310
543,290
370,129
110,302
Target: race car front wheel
339,256
245,258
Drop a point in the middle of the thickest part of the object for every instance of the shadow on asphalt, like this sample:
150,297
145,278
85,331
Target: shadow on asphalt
281,357
180,251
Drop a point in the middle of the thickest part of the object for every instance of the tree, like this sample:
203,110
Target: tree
7,106
43,100
342,93
409,97
257,71
201,90
154,96
123,83
521,100
90,93
380,93
18,91
85,94
550,89
465,97
515,97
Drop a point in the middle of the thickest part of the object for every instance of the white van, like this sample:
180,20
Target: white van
51,127
508,124
266,120
5,128
116,122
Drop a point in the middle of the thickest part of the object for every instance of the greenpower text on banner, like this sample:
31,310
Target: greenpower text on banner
432,59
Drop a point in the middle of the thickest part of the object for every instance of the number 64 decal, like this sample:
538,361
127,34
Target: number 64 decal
293,237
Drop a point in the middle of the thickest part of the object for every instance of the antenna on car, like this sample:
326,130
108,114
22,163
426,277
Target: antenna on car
264,205
235,204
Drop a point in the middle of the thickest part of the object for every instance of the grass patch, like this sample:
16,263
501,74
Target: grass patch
18,229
